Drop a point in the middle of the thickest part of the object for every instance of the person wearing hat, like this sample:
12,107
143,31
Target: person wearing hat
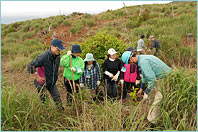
111,69
46,76
129,76
77,68
153,69
155,44
91,76
140,45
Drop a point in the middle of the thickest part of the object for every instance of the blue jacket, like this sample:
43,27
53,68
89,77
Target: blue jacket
152,69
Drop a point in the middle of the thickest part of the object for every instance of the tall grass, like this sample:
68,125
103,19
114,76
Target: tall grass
22,109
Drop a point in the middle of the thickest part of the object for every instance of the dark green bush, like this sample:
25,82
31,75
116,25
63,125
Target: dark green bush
99,44
90,23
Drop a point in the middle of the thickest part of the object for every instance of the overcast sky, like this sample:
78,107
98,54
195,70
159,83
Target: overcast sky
39,8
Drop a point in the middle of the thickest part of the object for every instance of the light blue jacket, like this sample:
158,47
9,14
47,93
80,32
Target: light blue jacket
152,69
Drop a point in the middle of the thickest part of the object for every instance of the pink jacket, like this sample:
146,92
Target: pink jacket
41,73
131,73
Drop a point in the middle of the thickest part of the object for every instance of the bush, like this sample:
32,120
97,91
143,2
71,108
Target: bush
87,15
54,25
90,23
26,28
36,26
60,20
133,23
99,44
66,23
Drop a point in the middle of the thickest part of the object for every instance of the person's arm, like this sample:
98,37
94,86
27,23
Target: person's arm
104,68
38,62
142,44
121,72
82,78
65,61
80,63
148,75
98,72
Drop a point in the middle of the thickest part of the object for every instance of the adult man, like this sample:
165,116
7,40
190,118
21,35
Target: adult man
156,45
48,65
153,69
140,45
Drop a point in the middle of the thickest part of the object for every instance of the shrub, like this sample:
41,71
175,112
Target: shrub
90,23
36,26
66,23
87,15
99,44
54,25
60,20
26,28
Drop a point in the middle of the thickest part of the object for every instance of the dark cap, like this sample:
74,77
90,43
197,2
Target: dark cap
76,49
58,43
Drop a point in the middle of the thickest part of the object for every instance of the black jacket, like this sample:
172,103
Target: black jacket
51,66
112,67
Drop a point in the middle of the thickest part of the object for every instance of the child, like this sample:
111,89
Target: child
91,75
111,69
129,77
77,68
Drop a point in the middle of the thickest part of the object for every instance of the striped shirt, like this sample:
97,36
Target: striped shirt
90,77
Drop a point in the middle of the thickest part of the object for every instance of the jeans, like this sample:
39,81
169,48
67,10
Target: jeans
53,92
111,86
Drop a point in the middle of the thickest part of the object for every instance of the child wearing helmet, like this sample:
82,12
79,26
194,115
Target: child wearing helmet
111,69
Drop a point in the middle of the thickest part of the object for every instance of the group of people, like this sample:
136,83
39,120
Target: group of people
79,73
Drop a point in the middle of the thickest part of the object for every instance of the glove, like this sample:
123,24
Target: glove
122,82
82,85
69,52
73,69
109,74
145,96
137,82
98,83
115,78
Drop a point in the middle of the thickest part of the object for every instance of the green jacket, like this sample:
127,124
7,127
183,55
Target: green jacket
76,62
152,69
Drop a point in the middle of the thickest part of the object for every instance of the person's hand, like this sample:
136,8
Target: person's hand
115,78
137,82
122,81
98,83
111,75
139,93
82,85
145,96
73,69
40,79
69,52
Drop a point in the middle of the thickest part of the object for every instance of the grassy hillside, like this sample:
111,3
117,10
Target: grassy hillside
169,23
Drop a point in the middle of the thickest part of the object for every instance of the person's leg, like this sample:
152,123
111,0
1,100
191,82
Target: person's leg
154,111
69,89
124,91
114,89
56,97
41,90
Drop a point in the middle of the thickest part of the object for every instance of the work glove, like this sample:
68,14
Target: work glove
73,69
145,96
109,74
122,81
137,82
98,83
82,85
69,52
115,78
